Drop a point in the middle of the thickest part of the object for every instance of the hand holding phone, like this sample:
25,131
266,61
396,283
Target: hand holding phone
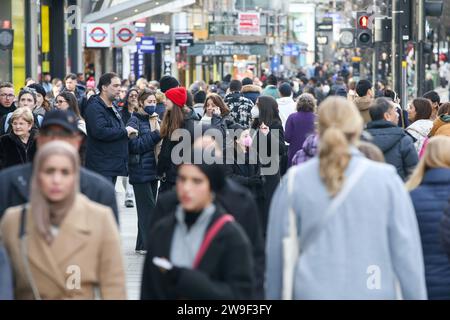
162,263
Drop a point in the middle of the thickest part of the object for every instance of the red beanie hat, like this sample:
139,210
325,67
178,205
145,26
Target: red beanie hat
177,95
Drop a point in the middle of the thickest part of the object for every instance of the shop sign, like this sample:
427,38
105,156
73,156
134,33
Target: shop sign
227,50
249,23
147,45
184,39
98,35
125,35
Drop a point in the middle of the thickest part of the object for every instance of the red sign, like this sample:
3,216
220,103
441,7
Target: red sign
364,22
249,23
125,34
98,34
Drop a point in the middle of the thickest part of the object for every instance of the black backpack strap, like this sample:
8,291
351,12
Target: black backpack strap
23,222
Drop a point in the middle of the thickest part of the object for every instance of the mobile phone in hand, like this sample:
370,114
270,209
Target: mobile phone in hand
162,263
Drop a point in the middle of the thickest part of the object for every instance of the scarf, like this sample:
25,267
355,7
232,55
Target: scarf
44,212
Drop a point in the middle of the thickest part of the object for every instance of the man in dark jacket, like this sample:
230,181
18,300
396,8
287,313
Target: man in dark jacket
15,181
107,136
396,144
240,107
6,98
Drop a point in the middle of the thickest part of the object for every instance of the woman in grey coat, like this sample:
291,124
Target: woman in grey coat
364,245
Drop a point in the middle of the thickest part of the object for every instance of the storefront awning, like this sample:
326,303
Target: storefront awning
133,10
212,49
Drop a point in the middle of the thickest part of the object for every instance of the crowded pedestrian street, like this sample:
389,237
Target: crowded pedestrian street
224,156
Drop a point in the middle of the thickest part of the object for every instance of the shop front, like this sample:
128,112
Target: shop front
212,61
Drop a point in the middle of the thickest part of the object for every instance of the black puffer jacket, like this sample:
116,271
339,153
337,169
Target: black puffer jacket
13,151
396,144
224,273
237,201
142,162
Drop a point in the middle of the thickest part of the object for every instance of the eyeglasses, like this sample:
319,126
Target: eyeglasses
133,96
60,101
9,96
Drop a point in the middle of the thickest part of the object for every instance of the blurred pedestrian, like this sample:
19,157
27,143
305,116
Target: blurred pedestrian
60,229
240,107
329,202
364,99
286,105
272,87
250,90
300,124
435,100
62,126
194,249
270,146
429,186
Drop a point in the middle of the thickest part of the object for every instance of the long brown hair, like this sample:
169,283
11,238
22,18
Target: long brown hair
436,156
423,107
340,125
172,120
217,101
71,101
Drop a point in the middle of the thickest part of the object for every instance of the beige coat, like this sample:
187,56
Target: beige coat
85,255
363,104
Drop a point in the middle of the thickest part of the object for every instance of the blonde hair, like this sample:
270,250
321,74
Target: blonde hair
436,155
23,113
340,125
160,97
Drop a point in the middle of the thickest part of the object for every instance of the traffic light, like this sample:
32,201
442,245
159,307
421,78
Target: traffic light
363,30
434,8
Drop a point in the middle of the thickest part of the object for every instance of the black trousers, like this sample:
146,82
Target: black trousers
145,204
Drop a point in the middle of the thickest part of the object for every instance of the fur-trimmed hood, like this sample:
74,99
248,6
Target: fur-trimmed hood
251,88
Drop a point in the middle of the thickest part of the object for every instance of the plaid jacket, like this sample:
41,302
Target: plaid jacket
240,108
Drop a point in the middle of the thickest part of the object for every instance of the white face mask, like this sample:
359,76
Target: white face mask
255,112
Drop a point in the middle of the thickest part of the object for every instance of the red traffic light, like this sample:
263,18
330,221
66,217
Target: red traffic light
364,22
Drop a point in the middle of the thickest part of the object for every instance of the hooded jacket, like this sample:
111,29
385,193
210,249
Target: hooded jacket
363,105
252,92
441,126
419,130
143,168
396,145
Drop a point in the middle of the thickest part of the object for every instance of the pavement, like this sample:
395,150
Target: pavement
128,230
